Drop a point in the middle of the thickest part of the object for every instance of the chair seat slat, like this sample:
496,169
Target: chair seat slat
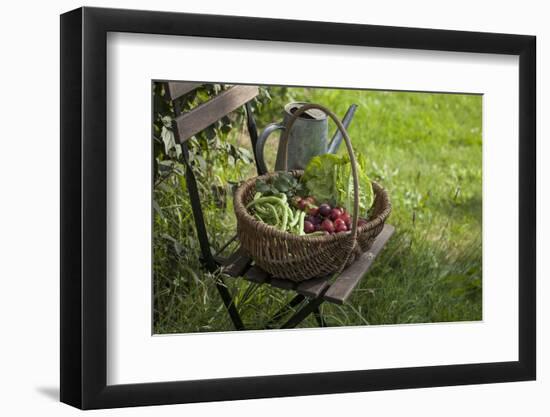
257,275
283,284
313,287
237,263
346,282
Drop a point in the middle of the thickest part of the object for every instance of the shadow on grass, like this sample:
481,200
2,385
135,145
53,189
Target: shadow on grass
469,208
421,280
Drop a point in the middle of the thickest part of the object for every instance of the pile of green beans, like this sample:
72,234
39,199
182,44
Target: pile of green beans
275,211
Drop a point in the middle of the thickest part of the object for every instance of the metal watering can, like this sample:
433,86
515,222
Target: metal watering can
308,137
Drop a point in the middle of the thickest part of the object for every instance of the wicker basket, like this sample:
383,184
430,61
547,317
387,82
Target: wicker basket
298,258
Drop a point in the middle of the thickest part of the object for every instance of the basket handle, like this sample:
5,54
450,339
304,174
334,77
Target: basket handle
284,142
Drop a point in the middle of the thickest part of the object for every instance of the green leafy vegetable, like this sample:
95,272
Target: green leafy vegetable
328,178
282,183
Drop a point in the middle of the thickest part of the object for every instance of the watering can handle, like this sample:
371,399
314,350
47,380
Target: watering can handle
353,163
260,143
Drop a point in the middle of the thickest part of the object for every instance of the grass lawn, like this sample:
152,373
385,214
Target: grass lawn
426,150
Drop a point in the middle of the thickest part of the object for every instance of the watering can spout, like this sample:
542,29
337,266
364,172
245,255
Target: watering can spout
337,138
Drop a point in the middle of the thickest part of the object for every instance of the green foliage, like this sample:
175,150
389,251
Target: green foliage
211,155
219,163
270,103
283,182
424,148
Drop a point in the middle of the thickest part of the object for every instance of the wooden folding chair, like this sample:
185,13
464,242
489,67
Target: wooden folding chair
308,295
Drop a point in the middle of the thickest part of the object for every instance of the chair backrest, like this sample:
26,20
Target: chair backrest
195,120
192,122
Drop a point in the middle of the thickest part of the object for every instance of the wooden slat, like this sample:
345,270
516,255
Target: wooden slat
313,287
344,285
178,89
192,122
256,275
284,284
237,263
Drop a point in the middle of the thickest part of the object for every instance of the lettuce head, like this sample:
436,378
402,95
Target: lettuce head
328,178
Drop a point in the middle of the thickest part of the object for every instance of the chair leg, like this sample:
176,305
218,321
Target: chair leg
251,289
303,313
230,305
206,258
284,310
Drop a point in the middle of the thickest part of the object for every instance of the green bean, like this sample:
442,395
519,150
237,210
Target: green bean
274,212
317,233
290,214
295,219
268,199
262,210
265,213
301,223
285,218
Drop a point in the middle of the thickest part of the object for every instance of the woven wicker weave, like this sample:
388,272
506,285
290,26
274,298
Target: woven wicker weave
297,258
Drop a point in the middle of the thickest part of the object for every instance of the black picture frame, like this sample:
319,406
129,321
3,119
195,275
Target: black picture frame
84,207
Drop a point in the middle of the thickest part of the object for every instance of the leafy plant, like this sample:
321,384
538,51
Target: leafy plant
328,178
283,182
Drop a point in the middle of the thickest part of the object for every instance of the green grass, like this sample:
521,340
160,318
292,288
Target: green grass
426,150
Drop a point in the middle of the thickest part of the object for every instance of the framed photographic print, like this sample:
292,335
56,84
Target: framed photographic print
257,208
